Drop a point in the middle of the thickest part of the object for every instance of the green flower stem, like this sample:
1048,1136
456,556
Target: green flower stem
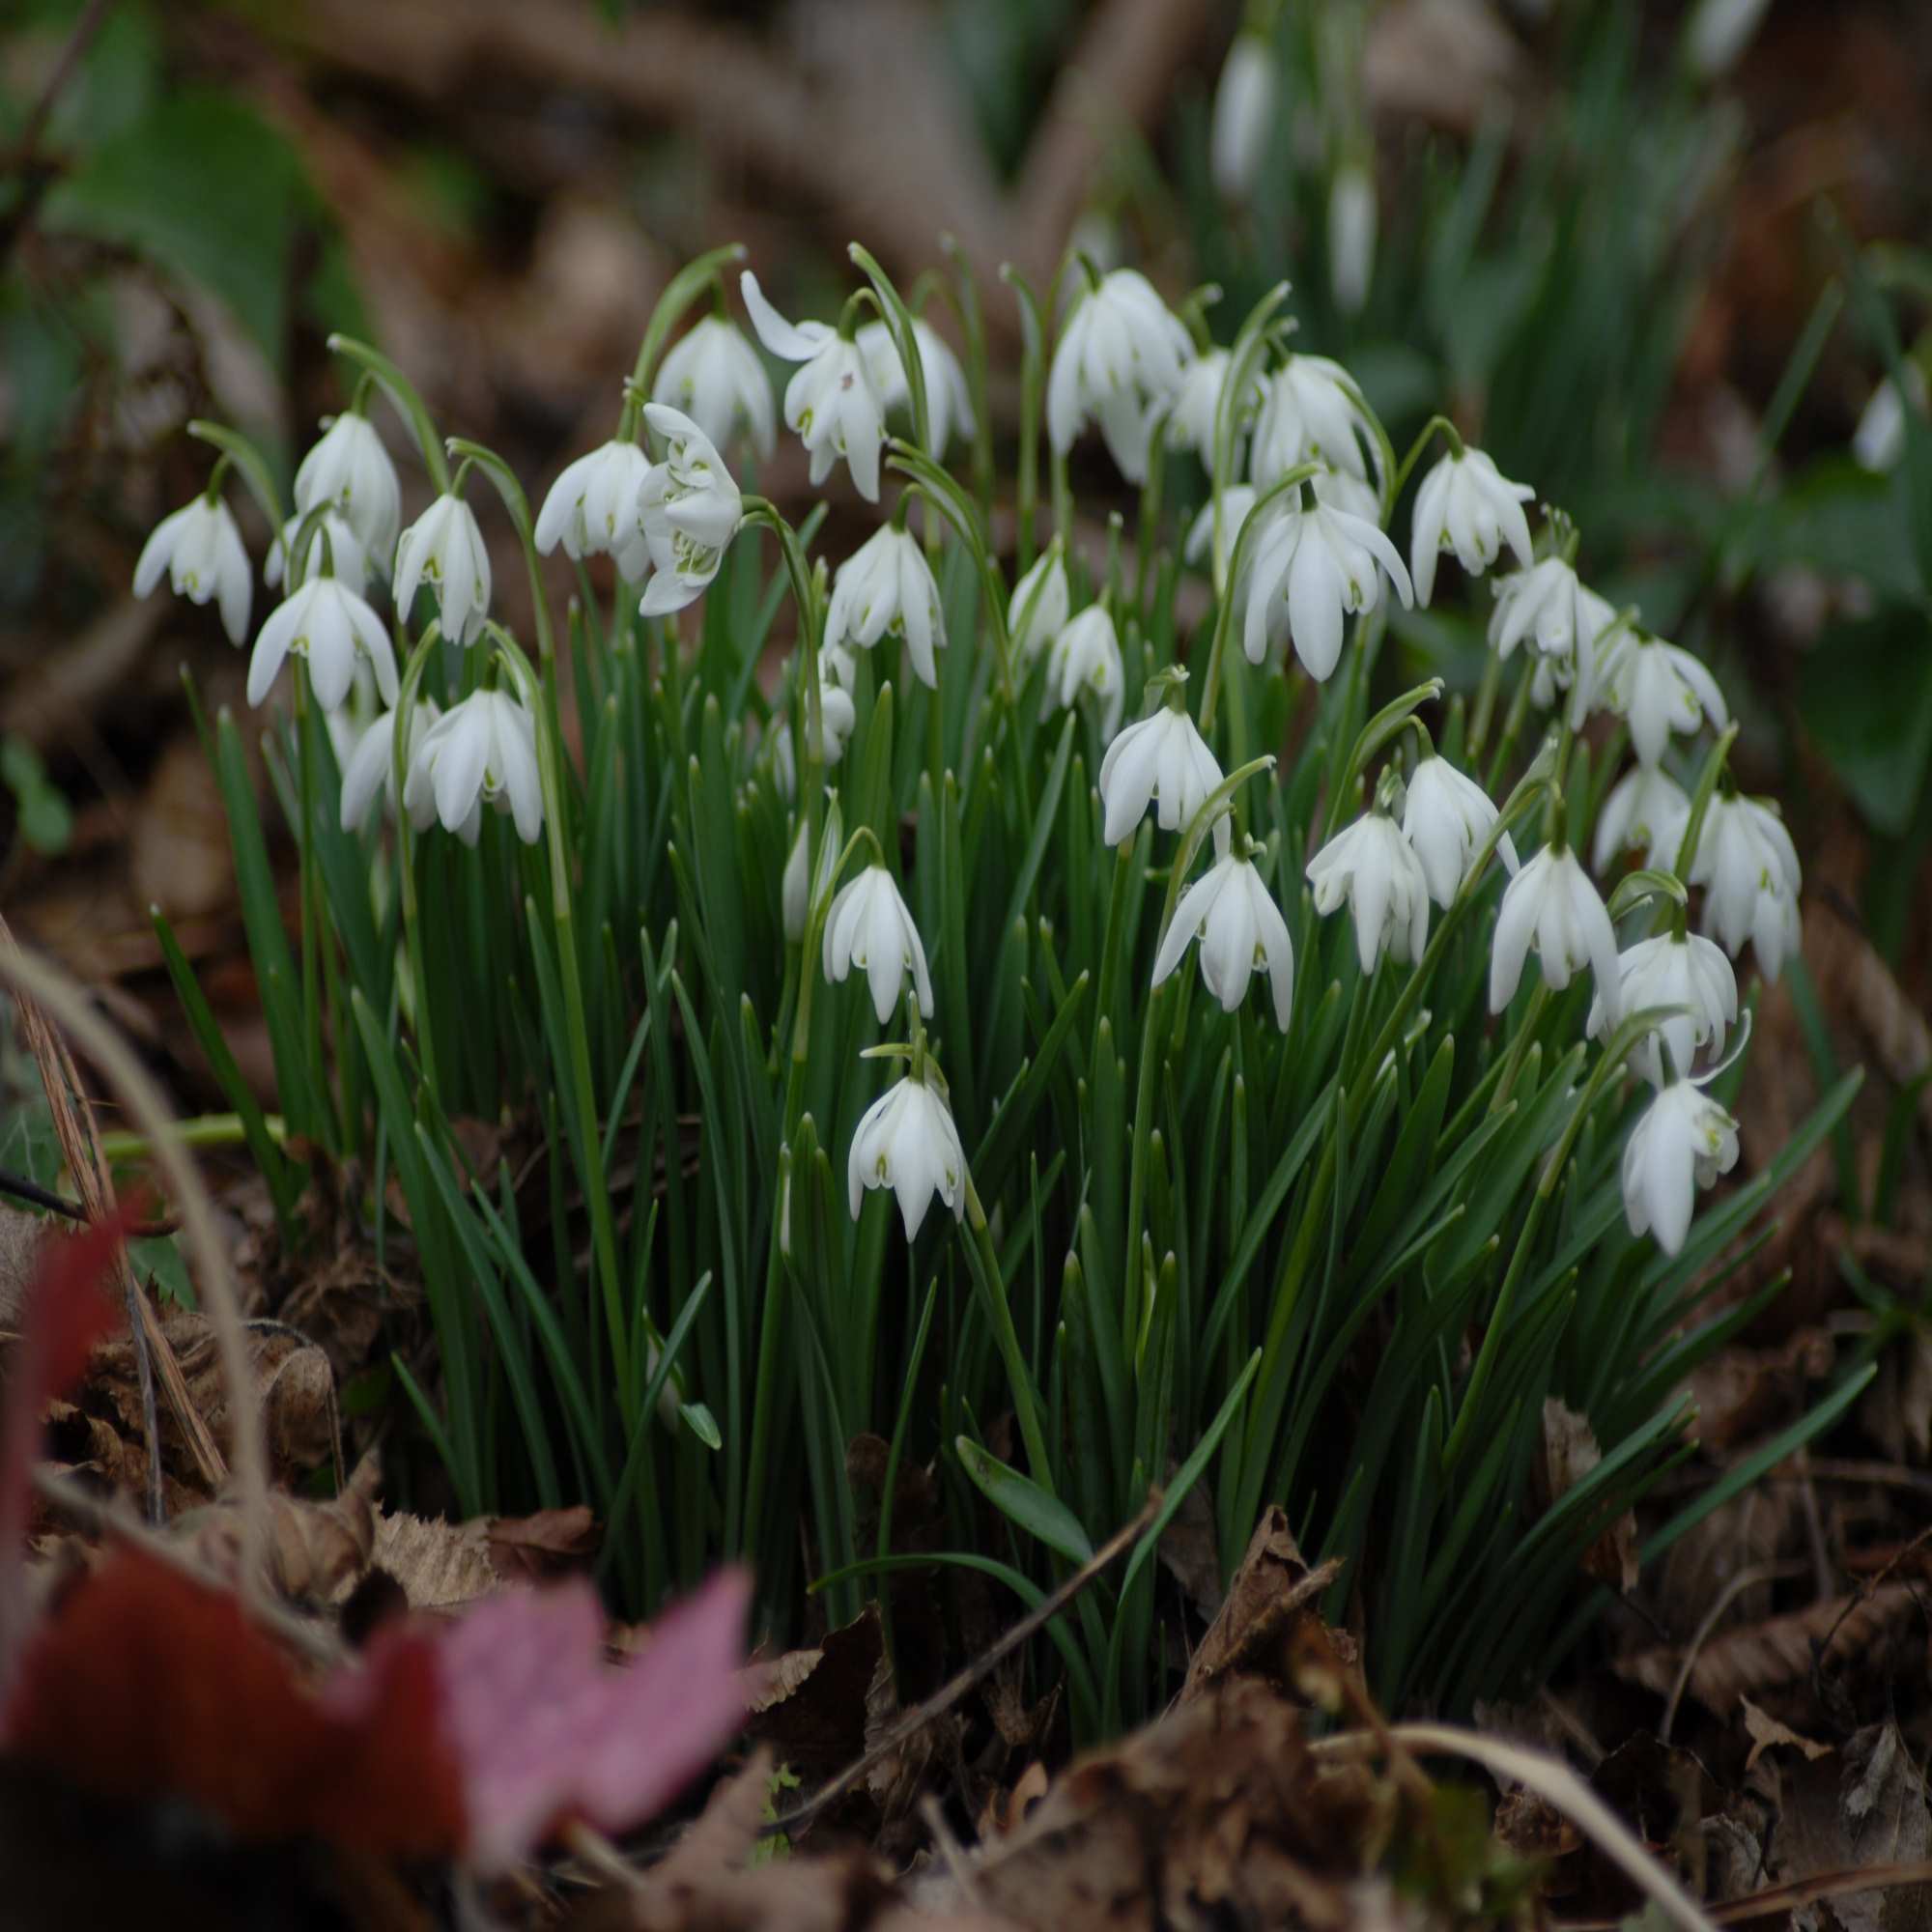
1700,801
1244,363
1484,709
518,504
205,1130
1520,1046
314,912
404,399
1033,384
246,459
992,1285
406,870
1434,427
1513,724
1387,724
899,323
684,289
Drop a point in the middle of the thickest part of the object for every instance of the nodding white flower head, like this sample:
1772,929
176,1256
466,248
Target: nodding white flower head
1748,863
1552,609
1375,869
1312,411
1315,566
1468,505
907,1141
350,470
480,752
690,509
200,547
830,401
948,402
1351,236
1041,599
1244,101
1240,930
1237,501
1879,441
1086,658
713,375
1683,1143
1160,757
885,588
443,548
1673,969
1718,32
327,623
868,926
1660,689
837,716
1646,810
593,507
1551,904
1445,817
1118,361
343,555
1191,421
369,772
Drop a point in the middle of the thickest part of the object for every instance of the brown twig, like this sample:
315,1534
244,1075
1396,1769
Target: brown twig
1744,1580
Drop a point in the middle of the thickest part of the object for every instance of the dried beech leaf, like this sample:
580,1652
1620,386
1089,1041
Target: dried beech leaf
1569,1453
1272,1595
440,1565
1766,1734
538,1549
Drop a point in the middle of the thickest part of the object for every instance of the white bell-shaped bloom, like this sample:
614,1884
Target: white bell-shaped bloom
803,887
480,752
1718,32
1683,1143
369,773
592,508
200,547
350,470
327,623
713,375
868,926
1313,566
1375,869
830,401
1312,411
1191,421
1646,810
1879,441
1086,659
341,556
949,400
1244,104
1445,817
1237,501
690,508
885,588
1551,905
1550,609
1037,611
1466,504
1240,930
906,1141
1164,758
1747,864
1351,236
1660,689
1118,361
1673,969
837,716
443,548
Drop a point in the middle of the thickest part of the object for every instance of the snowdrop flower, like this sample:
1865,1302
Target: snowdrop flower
1374,868
1351,236
713,375
868,926
369,771
1191,423
1087,658
443,548
837,716
1118,361
1673,969
1683,1143
343,552
1745,858
906,1141
200,547
886,588
1718,32
1312,411
1646,809
1549,608
1237,501
1879,441
1468,505
1446,817
1660,689
1160,757
794,902
350,470
1318,563
327,623
1551,904
481,751
948,402
592,508
1037,610
690,508
1240,930
1244,102
1340,491
830,401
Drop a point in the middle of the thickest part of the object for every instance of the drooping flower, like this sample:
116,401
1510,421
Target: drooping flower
592,508
200,547
1240,930
350,470
1748,863
1312,411
803,887
1375,869
885,588
837,716
1244,100
1086,659
1351,236
369,772
1551,904
1192,421
1660,689
1162,757
830,401
713,375
342,553
1673,969
1037,613
443,548
1550,609
482,751
1118,361
1445,818
1647,810
869,926
1315,566
1237,501
907,1141
1879,441
1718,32
327,623
1466,504
690,508
1683,1143
949,401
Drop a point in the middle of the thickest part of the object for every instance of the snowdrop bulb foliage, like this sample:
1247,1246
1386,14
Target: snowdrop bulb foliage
481,751
1673,969
1312,411
1372,867
1037,613
1161,757
1244,104
830,402
592,508
886,588
1660,689
350,470
1466,505
1749,866
907,1141
1318,564
1551,904
1241,931
690,509
200,549
1683,1143
369,772
1647,810
1351,236
868,926
327,623
711,375
343,555
1119,361
1086,658
1445,818
1191,423
948,402
443,548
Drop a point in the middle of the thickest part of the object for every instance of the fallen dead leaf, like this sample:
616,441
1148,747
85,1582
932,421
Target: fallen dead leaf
316,1552
541,1547
1272,1595
1768,1734
1869,1807
1569,1453
438,1564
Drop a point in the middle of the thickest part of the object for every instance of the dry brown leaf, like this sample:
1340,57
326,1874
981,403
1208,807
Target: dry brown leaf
1768,1734
814,1715
1188,1550
1272,1596
1569,1453
317,1552
178,850
440,1565
536,1549
1866,1809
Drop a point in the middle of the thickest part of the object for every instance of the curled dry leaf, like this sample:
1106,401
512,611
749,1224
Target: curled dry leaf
317,1552
1270,1615
1768,1734
1569,1453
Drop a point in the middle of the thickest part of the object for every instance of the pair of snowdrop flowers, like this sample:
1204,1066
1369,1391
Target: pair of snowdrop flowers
480,753
1120,362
